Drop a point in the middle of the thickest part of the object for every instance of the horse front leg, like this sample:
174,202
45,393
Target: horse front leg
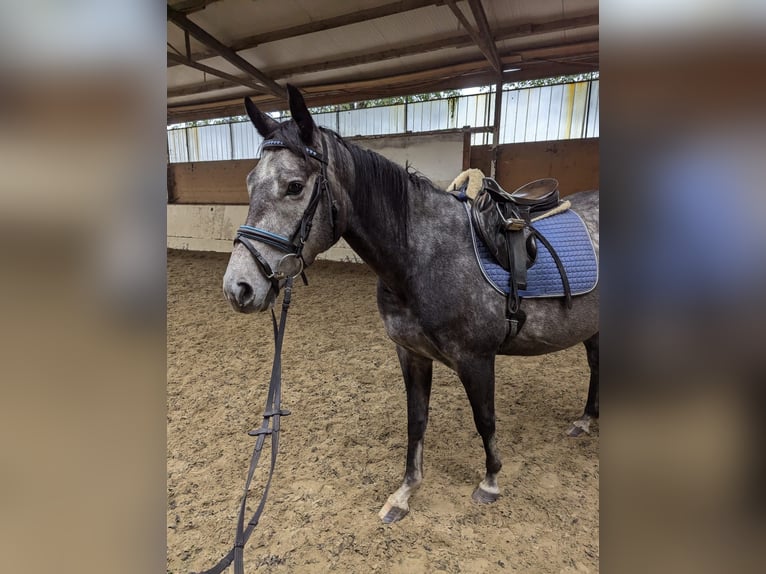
417,371
582,425
478,378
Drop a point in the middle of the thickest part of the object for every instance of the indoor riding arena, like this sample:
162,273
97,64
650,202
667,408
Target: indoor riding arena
514,93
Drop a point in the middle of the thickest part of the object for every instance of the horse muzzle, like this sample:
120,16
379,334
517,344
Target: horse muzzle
245,287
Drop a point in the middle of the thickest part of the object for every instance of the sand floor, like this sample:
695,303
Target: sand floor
342,450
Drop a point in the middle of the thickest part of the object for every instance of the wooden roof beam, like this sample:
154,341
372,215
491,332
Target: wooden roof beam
525,57
189,6
515,56
480,17
326,24
225,52
525,30
487,48
441,79
233,80
557,51
458,41
200,88
334,22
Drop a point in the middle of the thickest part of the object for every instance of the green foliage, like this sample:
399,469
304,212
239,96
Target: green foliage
544,82
551,81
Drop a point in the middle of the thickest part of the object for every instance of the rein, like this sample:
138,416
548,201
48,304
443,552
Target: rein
273,411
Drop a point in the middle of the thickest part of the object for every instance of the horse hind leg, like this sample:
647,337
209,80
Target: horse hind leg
478,378
417,371
582,425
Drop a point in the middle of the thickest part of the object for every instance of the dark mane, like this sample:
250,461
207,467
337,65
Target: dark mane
381,188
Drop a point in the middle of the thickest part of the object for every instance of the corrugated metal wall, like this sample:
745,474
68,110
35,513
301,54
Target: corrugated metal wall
558,112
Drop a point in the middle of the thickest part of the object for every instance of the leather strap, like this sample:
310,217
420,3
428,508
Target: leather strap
559,266
513,311
272,414
514,314
273,410
260,260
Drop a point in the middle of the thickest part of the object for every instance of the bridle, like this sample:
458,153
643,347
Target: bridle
292,263
288,268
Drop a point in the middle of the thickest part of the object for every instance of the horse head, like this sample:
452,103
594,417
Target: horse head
291,217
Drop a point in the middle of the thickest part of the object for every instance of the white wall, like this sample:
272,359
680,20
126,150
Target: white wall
204,227
437,156
212,227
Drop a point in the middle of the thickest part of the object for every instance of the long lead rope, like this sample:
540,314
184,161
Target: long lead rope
273,411
272,414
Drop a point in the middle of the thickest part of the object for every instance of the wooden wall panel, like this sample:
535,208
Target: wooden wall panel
575,163
438,155
209,182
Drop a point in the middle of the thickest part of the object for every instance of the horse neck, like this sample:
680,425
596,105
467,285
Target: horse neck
378,201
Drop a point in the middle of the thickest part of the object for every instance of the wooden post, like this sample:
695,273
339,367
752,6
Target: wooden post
188,144
231,142
496,126
466,148
170,181
406,115
187,41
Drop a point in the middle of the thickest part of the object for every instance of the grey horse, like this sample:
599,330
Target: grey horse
435,304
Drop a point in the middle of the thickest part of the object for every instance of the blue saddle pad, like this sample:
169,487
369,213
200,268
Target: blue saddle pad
570,238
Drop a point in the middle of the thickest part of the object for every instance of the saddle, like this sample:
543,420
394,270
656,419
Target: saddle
503,221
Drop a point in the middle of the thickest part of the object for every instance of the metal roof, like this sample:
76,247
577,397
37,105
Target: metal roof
339,51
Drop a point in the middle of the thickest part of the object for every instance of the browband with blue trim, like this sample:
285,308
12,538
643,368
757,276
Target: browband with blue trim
279,143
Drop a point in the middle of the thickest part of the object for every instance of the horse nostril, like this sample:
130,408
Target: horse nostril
243,294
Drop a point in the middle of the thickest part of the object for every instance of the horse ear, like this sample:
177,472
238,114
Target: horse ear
263,123
300,114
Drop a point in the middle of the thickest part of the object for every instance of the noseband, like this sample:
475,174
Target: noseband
292,264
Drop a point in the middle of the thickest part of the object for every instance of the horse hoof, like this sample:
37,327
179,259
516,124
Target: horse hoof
390,513
579,428
575,431
483,497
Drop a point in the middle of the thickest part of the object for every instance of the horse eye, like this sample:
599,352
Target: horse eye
294,188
